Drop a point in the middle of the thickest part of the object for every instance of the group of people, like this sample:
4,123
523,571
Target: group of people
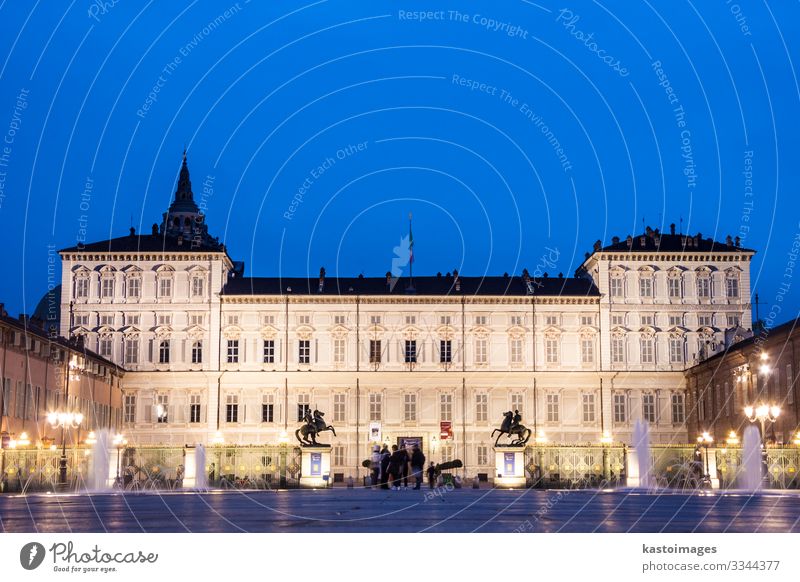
391,469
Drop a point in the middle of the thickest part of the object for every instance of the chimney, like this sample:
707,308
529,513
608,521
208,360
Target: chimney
561,275
133,231
672,228
738,242
698,237
615,240
525,275
643,241
321,279
180,240
648,231
155,229
587,255
729,241
389,278
458,280
629,241
597,245
545,276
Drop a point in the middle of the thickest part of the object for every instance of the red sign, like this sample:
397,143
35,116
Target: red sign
445,430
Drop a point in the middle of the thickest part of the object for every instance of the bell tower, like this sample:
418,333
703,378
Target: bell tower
184,218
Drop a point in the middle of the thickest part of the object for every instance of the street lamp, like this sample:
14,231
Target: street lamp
65,421
797,438
541,438
732,439
606,438
119,442
23,440
704,440
91,438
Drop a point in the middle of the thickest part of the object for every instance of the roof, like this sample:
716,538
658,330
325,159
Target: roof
437,285
757,338
147,243
659,242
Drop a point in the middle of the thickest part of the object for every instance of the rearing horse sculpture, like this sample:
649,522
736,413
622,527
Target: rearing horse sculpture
314,424
511,426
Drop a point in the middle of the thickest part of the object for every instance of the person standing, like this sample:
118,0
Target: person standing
384,464
431,475
396,461
375,465
417,465
404,467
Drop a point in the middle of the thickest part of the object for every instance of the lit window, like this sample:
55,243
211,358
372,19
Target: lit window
481,407
233,351
269,351
232,408
445,351
375,406
304,352
267,408
446,407
338,407
411,351
588,408
197,352
410,407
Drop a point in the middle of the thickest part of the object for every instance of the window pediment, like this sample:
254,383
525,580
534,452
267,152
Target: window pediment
130,330
269,332
195,332
516,331
232,332
162,331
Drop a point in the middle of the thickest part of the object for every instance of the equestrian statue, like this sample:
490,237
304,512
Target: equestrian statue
512,427
313,425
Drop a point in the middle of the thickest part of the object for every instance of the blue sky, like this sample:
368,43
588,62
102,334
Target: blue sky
508,129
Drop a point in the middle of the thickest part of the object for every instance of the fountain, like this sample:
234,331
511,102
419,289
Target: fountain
641,442
98,478
201,477
750,478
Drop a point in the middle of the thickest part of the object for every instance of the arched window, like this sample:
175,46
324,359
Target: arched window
197,352
163,352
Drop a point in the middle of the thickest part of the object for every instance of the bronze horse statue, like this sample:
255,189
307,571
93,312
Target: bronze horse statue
314,424
512,427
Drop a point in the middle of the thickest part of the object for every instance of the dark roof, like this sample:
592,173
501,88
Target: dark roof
438,285
673,243
148,243
760,337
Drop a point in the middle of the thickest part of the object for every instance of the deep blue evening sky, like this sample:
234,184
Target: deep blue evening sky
460,117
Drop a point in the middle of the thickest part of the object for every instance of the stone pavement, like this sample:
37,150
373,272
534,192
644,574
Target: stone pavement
359,510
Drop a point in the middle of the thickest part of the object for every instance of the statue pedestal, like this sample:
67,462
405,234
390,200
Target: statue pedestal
509,467
315,467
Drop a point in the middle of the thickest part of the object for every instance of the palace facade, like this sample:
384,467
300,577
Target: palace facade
212,355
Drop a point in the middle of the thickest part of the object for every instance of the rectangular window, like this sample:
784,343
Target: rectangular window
647,356
375,319
552,408
445,351
129,409
678,412
616,287
134,288
163,352
303,320
675,320
194,408
551,320
338,407
304,352
517,403
733,321
338,455
551,350
410,407
587,350
704,287
481,356
620,408
646,287
267,408
732,287
303,406
269,351
375,406
107,288
617,320
107,319
704,319
164,319
674,287
649,407
588,408
446,407
587,320
480,320
516,350
411,319
482,456
518,320
411,351
162,408
232,408
197,287
675,350
338,350
132,350
233,351
233,319
197,352
82,288
165,287
481,407
106,347
444,320
339,319
374,351
647,319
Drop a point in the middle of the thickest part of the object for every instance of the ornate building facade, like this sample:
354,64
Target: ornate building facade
211,354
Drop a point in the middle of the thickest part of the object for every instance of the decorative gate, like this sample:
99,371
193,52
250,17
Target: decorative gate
570,467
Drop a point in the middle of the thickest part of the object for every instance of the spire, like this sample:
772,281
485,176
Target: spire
184,191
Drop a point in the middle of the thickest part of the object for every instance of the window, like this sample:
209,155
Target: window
678,414
164,319
517,403
81,319
480,351
410,407
789,384
270,319
134,288
375,406
267,408
446,407
704,287
551,350
646,286
616,287
303,320
649,407
338,407
620,408
194,408
552,408
163,352
107,288
162,408
81,288
411,351
164,287
480,320
269,351
197,352
617,320
445,319
732,287
132,350
303,406
132,319
551,320
197,286
482,456
106,319
516,350
339,319
232,408
587,350
374,351
338,455
233,351
445,351
674,287
481,407
105,346
129,408
411,319
375,319
304,352
647,356
587,319
728,399
675,320
338,350
647,319
517,320
588,407
233,319
733,321
704,319
675,350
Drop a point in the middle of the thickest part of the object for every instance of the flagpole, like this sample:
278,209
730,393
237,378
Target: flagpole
410,254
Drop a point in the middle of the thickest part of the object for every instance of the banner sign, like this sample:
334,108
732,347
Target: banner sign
445,430
509,465
375,435
316,464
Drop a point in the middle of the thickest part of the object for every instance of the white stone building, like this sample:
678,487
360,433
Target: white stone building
210,353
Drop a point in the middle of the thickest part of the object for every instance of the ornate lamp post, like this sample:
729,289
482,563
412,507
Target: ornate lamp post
119,442
704,440
65,421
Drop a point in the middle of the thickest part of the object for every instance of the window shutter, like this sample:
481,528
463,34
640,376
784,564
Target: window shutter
316,351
